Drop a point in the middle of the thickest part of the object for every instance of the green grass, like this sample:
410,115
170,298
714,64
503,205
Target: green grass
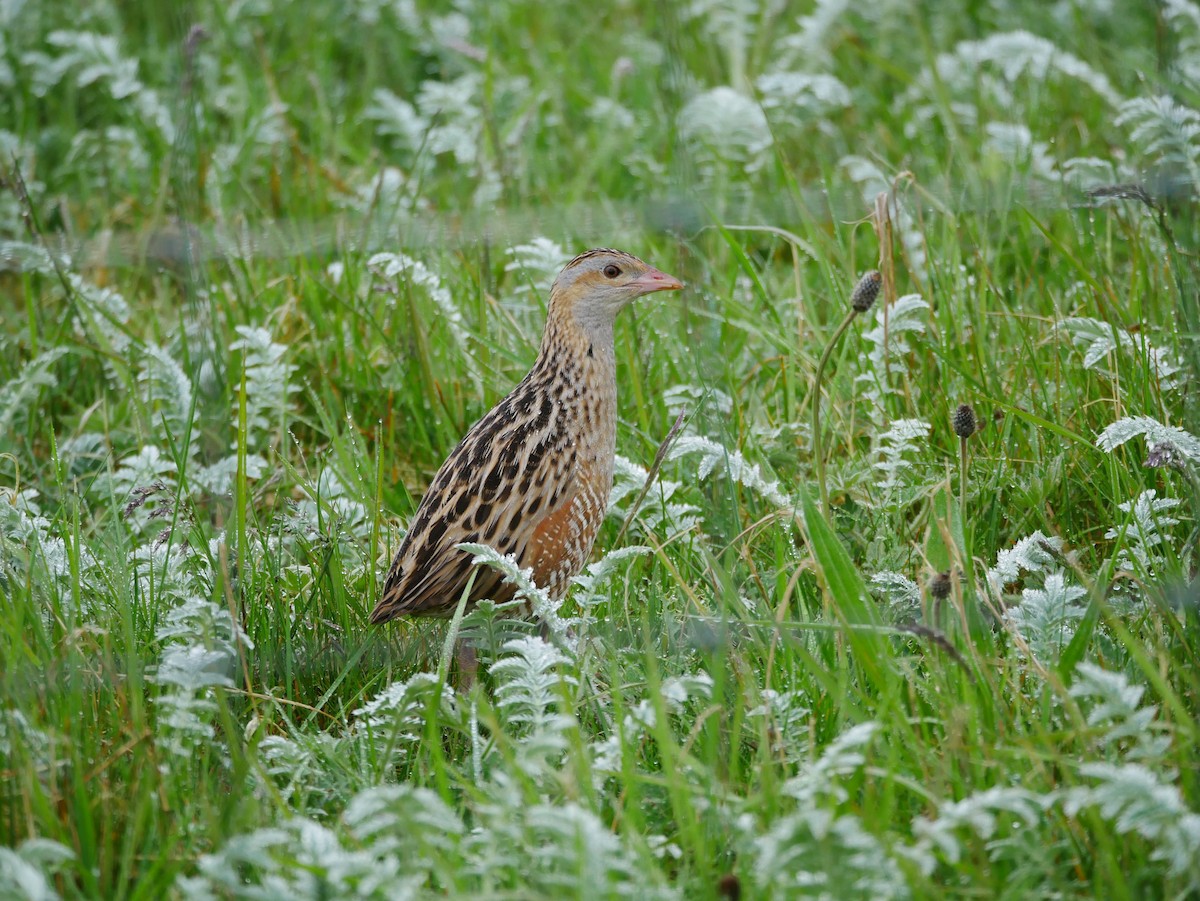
211,438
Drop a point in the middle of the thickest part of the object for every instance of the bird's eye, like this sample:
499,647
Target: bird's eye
611,271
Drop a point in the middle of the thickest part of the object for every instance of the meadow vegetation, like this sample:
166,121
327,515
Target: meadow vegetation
261,265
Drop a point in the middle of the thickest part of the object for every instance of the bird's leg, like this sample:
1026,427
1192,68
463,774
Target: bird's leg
468,664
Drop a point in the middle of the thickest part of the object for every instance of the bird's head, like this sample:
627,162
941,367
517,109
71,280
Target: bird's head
598,284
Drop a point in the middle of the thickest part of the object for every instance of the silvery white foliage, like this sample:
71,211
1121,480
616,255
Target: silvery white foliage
432,35
26,536
1135,731
397,715
167,393
168,570
149,467
96,56
395,117
555,850
544,608
488,185
728,21
1014,142
662,847
331,502
1137,801
218,478
83,452
18,396
1163,129
102,316
398,268
1148,513
199,653
658,511
96,59
815,853
1184,443
268,381
446,118
1100,339
605,755
1183,18
1046,617
1011,56
529,686
410,823
793,857
455,121
724,125
810,44
1034,553
488,627
299,860
801,96
905,437
316,772
21,256
888,346
681,398
20,514
187,672
1067,11
675,693
537,263
404,13
902,593
1086,172
529,681
844,756
37,746
678,691
939,838
109,154
447,33
785,716
24,870
873,181
613,115
736,467
388,191
593,578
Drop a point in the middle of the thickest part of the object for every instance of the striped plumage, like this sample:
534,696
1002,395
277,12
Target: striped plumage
532,477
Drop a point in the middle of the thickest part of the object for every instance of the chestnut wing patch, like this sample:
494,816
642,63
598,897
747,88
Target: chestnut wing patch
514,464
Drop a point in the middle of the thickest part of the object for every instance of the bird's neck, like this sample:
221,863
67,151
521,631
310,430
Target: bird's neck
581,364
582,351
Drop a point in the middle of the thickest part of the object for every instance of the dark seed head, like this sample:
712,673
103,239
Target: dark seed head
863,296
138,496
965,422
728,886
939,585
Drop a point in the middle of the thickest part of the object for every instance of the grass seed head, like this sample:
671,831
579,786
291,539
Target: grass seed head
939,585
862,298
965,421
138,496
